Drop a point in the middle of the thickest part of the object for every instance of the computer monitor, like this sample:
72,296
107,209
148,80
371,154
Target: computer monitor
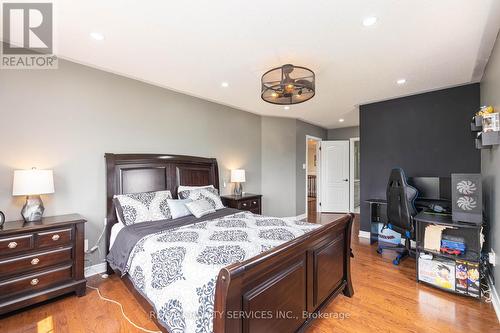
432,188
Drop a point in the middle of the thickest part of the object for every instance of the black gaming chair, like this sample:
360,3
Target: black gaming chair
400,212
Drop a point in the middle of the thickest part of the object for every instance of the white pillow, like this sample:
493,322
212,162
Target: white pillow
178,207
210,194
200,208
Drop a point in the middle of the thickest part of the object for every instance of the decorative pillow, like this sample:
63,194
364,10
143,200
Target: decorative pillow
208,193
184,187
200,208
143,207
178,207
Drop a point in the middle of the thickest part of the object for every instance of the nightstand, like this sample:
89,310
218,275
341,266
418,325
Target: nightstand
247,201
41,260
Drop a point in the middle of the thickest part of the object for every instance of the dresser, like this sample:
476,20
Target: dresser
41,260
247,201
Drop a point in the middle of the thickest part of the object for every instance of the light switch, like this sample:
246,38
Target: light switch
304,166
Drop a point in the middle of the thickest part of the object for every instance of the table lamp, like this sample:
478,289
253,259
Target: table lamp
32,183
238,177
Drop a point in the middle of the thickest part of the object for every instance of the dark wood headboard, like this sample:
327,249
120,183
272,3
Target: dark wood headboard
133,173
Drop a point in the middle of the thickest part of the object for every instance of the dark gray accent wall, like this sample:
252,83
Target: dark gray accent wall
490,160
426,135
344,133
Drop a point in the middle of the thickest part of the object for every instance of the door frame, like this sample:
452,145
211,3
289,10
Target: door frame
318,172
351,173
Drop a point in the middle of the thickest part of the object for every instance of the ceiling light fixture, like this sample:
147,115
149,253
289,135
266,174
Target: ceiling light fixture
401,81
369,21
287,85
97,35
341,120
286,108
224,84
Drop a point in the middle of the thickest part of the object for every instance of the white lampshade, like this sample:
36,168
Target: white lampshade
238,176
33,182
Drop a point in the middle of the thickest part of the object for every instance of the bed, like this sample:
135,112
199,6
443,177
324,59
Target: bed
274,275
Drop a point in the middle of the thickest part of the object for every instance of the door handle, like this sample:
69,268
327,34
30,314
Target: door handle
346,180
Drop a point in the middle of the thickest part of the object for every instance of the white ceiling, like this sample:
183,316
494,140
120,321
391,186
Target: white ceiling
193,46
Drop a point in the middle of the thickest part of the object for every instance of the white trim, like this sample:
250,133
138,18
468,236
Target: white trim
364,234
351,173
95,269
495,300
318,171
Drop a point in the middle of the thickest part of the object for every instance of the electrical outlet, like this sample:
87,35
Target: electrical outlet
492,258
224,184
86,246
105,221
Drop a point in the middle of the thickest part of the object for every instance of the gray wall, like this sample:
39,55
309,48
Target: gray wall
278,166
304,129
426,135
490,159
66,120
344,133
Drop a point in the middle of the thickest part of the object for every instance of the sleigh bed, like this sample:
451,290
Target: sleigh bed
278,289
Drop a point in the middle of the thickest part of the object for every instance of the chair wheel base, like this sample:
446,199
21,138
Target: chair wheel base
379,250
396,261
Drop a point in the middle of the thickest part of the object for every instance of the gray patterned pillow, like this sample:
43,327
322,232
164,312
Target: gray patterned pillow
210,194
200,208
143,207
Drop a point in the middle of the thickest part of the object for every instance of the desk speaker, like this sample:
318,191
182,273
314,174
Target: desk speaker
467,197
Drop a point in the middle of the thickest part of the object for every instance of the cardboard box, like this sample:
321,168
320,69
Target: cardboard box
388,235
461,277
473,279
438,272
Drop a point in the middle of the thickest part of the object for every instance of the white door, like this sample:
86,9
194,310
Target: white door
335,176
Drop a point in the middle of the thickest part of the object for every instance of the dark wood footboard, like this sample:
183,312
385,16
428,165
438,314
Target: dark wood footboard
281,290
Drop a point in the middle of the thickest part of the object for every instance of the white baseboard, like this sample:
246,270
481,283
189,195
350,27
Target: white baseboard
364,234
95,269
495,300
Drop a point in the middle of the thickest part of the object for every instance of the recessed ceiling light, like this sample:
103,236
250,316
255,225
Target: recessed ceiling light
341,120
97,35
224,84
401,81
371,20
286,107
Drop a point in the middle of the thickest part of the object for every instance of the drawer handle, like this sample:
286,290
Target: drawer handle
34,282
12,245
255,202
244,205
55,237
35,261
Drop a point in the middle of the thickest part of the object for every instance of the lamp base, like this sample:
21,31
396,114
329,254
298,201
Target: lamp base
33,209
238,189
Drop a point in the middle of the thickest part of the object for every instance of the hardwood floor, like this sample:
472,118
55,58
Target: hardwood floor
386,299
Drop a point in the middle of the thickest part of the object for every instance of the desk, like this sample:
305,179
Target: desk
471,233
378,214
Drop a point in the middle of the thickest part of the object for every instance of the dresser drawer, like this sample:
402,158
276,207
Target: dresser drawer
15,244
255,203
30,262
53,238
245,204
32,282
